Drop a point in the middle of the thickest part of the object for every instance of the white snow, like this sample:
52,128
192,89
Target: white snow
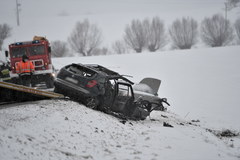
200,84
67,130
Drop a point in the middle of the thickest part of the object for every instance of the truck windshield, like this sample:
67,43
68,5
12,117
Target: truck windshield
36,50
18,52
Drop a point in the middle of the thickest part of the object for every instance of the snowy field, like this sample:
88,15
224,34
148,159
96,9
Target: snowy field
202,85
196,82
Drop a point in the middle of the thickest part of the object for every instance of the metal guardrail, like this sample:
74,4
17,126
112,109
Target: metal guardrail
25,89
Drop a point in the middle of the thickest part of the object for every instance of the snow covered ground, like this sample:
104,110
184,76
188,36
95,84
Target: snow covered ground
202,86
66,130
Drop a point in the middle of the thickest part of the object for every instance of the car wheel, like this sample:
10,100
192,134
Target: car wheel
92,103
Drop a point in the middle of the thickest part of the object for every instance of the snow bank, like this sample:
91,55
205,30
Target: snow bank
60,129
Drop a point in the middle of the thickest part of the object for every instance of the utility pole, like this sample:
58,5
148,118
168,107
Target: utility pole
18,10
226,9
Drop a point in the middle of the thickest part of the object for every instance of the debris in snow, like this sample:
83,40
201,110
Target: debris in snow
224,133
164,116
167,125
65,153
190,123
228,133
195,120
123,121
66,118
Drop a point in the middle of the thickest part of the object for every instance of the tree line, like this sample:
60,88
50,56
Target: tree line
152,35
147,34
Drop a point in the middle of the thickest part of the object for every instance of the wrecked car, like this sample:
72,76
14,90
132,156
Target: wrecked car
147,91
103,89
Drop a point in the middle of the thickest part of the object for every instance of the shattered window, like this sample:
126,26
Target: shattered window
124,90
80,71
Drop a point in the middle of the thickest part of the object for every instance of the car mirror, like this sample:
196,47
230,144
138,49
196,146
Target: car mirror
6,53
49,49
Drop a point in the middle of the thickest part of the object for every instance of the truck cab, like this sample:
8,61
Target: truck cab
39,52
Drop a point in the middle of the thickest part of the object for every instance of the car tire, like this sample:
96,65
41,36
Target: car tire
92,103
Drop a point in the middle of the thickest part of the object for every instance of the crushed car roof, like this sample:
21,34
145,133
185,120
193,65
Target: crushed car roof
109,73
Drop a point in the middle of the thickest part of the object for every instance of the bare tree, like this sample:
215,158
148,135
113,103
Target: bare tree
184,33
59,48
134,36
216,31
232,3
100,51
237,28
85,38
5,32
119,47
155,33
229,5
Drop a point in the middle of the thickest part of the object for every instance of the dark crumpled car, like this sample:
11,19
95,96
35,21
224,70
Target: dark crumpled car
100,88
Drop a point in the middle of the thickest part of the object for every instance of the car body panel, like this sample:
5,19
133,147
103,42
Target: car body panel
147,90
153,83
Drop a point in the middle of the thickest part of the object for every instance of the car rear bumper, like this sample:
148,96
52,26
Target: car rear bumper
64,85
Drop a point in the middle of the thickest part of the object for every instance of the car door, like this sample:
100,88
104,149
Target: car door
124,99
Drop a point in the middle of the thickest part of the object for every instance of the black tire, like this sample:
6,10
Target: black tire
50,82
92,103
56,90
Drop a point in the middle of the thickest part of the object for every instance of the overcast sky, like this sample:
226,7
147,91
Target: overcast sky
55,19
36,8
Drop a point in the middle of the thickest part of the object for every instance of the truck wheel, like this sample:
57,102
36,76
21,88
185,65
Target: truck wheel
56,90
50,83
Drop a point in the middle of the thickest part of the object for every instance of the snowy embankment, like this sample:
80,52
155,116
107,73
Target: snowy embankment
67,130
201,85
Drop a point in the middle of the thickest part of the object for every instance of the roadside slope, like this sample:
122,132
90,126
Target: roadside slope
58,129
